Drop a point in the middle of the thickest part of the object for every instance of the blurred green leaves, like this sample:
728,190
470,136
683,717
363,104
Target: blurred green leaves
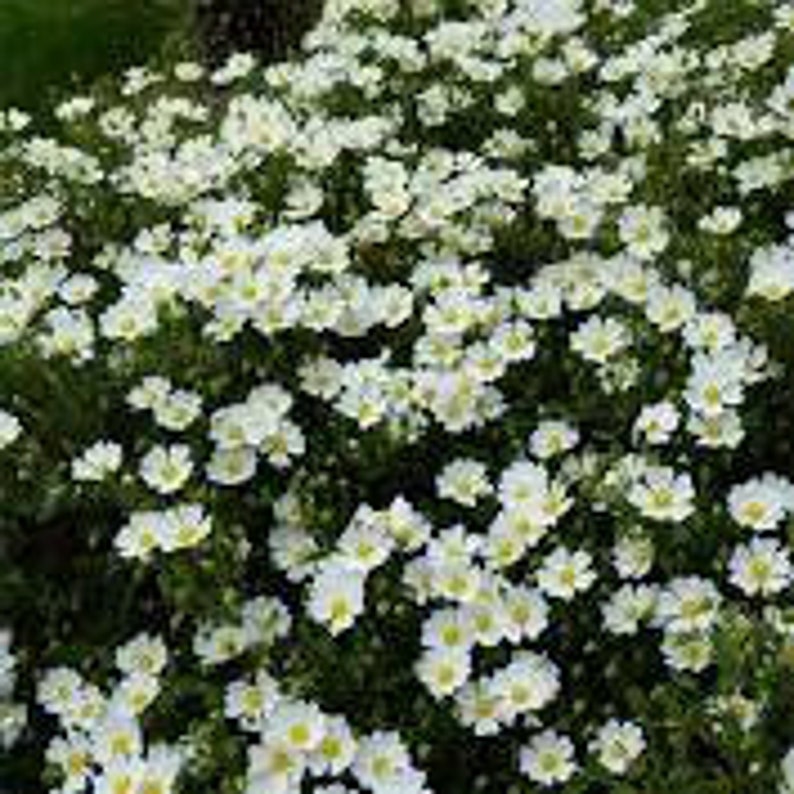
52,46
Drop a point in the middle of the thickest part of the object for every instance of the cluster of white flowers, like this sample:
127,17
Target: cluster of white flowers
761,567
297,741
772,271
102,744
243,431
470,248
97,462
173,409
147,531
262,621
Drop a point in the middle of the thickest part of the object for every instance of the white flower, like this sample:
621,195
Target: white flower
238,65
663,495
407,526
286,442
70,332
772,272
74,108
177,410
96,462
762,503
598,340
443,670
487,617
478,708
58,688
116,736
217,644
688,604
336,596
503,545
152,391
298,725
464,481
513,342
687,652
715,383
364,545
721,431
548,759
292,550
10,429
641,229
265,619
787,770
143,534
552,437
721,220
526,614
232,466
511,533
454,546
144,654
13,716
73,756
630,279
135,693
251,702
166,469
710,331
618,744
526,685
380,760
532,503
633,556
336,750
163,764
669,308
628,607
188,71
657,422
447,629
522,483
456,581
761,567
185,526
131,317
542,302
88,706
120,774
565,573
738,708
16,119
7,663
275,767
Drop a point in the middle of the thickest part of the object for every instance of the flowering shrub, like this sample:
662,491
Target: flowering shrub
403,418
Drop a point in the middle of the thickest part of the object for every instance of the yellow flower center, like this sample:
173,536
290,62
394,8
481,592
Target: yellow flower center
299,734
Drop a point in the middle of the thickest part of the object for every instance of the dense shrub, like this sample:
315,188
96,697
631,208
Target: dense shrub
409,416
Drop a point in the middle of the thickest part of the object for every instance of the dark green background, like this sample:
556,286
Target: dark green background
51,48
48,47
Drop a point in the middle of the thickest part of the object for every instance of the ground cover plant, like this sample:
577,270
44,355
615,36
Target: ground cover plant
411,416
